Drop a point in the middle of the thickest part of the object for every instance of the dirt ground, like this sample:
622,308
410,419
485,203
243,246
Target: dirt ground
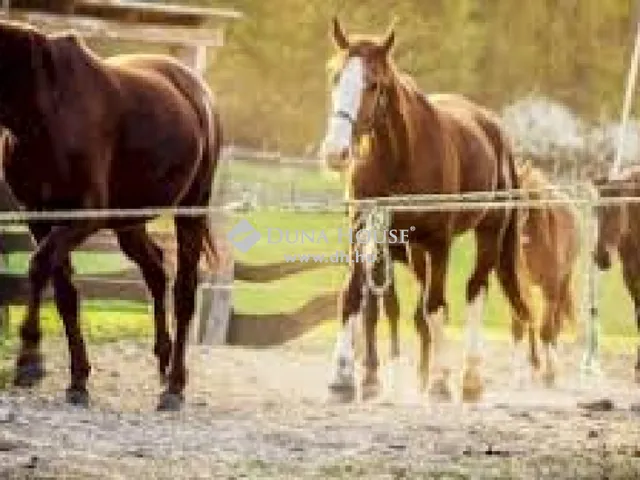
265,414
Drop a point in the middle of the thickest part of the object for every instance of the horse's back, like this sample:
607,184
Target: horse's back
484,143
182,107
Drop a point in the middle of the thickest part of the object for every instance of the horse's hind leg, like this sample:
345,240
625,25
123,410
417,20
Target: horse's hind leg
630,272
549,335
190,232
138,246
487,250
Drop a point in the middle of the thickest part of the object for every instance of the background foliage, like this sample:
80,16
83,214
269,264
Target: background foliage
271,80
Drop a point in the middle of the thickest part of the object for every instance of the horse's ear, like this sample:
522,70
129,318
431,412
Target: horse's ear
390,38
338,35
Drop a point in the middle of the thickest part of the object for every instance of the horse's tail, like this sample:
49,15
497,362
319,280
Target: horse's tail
511,265
211,155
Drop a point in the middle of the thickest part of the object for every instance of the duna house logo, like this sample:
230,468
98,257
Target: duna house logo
237,238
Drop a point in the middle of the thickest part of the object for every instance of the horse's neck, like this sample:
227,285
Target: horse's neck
393,134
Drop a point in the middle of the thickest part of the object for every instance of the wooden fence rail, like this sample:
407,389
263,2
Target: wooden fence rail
126,283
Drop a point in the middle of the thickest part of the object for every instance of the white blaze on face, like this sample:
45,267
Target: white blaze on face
345,102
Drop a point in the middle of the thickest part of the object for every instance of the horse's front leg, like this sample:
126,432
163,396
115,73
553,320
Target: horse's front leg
30,363
51,259
370,312
342,385
435,317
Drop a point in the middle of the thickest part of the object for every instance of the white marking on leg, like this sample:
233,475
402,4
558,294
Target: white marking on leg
551,361
344,356
439,347
520,363
345,104
473,327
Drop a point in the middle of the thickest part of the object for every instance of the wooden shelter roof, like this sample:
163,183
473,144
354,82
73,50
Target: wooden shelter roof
125,20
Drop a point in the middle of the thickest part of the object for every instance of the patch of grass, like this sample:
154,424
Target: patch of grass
616,308
284,177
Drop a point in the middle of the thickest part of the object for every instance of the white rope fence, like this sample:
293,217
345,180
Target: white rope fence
408,203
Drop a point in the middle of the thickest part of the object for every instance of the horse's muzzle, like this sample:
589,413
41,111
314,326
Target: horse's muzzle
602,258
338,162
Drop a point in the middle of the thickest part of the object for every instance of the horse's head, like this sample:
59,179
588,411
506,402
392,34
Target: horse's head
361,77
613,221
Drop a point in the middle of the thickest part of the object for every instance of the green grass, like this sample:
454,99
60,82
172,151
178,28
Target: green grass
287,177
108,320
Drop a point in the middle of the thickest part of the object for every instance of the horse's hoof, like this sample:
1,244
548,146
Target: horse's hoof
29,374
472,386
170,402
549,379
440,391
342,393
370,390
472,392
77,396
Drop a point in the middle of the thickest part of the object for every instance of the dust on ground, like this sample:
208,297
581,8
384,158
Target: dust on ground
265,414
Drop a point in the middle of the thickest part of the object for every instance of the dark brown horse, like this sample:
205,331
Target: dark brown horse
619,231
416,144
119,133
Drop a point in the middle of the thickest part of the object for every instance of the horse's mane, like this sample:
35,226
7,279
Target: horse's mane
534,179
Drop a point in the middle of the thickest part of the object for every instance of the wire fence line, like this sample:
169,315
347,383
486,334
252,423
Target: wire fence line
402,203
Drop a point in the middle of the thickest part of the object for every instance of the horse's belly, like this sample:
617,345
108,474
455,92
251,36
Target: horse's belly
155,177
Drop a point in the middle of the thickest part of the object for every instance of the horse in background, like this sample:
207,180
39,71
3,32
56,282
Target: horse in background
126,132
550,249
417,144
619,231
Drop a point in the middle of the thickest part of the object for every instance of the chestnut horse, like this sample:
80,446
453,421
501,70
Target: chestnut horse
417,144
550,247
127,132
619,231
